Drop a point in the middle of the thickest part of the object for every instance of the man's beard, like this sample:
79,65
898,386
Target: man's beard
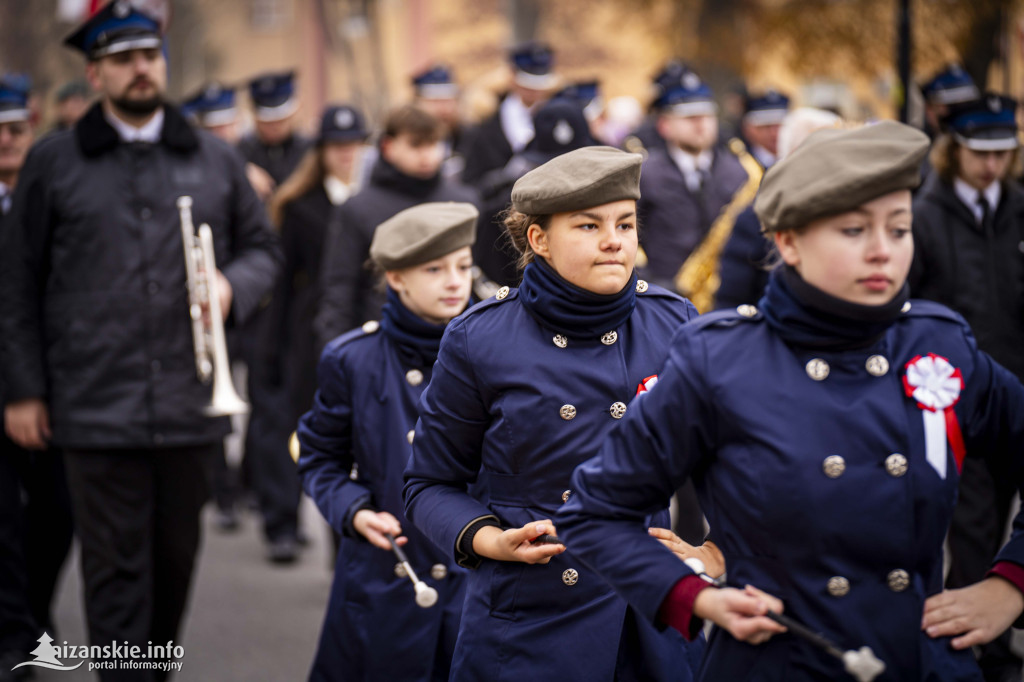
137,107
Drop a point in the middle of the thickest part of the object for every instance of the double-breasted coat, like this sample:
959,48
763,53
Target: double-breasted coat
812,467
354,446
513,407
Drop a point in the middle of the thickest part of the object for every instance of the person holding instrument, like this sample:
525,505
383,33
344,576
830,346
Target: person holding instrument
354,445
825,430
526,386
98,355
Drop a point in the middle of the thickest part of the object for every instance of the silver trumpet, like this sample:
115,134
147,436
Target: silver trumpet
208,341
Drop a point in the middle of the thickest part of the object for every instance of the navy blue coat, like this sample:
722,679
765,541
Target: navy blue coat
354,446
673,220
510,409
737,409
743,263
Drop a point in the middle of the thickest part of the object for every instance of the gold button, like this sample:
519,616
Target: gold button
409,436
560,341
877,365
400,571
371,326
438,571
617,410
570,576
838,586
817,369
905,308
565,495
567,412
834,466
641,286
747,310
896,465
610,338
501,293
414,377
898,580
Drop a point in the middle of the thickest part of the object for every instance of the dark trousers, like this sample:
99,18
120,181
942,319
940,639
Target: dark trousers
975,536
137,519
35,536
266,439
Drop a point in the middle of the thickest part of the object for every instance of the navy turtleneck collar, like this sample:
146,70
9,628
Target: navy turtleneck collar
806,316
570,310
416,339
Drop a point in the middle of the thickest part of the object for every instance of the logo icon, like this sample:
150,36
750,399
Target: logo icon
46,656
563,132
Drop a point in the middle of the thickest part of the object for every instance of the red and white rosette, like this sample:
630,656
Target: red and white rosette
935,384
647,384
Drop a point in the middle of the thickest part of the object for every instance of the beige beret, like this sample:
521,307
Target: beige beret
835,171
579,179
422,233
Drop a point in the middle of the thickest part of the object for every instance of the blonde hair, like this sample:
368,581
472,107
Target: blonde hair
310,172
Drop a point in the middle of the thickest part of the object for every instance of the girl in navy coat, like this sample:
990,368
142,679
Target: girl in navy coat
354,445
527,385
825,430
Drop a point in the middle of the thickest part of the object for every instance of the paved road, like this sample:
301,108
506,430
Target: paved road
248,621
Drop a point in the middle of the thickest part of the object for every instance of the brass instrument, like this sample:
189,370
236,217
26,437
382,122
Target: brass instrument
208,340
698,279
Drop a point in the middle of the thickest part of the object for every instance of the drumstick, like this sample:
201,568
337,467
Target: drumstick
862,664
426,596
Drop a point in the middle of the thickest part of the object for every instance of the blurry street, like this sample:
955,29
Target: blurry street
248,620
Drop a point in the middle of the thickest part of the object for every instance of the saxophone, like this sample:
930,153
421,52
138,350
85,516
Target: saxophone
698,279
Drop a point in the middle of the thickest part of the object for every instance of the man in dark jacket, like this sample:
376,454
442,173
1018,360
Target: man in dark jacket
684,188
491,144
407,173
98,346
35,510
274,145
969,255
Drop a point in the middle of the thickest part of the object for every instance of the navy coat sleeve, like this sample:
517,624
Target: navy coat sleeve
446,451
25,241
742,265
663,437
325,440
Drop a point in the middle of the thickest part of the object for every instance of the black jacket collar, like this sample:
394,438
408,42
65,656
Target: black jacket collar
96,136
1011,202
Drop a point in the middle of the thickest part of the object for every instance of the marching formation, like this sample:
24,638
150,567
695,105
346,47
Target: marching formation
580,397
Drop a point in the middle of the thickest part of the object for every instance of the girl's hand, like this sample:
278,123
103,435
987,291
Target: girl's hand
374,526
977,613
514,544
741,612
714,562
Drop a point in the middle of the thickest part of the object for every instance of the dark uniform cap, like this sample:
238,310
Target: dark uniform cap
835,171
580,179
587,94
342,123
684,93
952,85
14,90
212,105
986,124
769,108
422,233
533,62
118,27
435,83
560,126
273,95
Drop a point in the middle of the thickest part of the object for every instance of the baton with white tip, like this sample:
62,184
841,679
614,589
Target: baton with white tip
862,664
426,596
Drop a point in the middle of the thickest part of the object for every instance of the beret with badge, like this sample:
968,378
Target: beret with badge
835,171
422,233
579,179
